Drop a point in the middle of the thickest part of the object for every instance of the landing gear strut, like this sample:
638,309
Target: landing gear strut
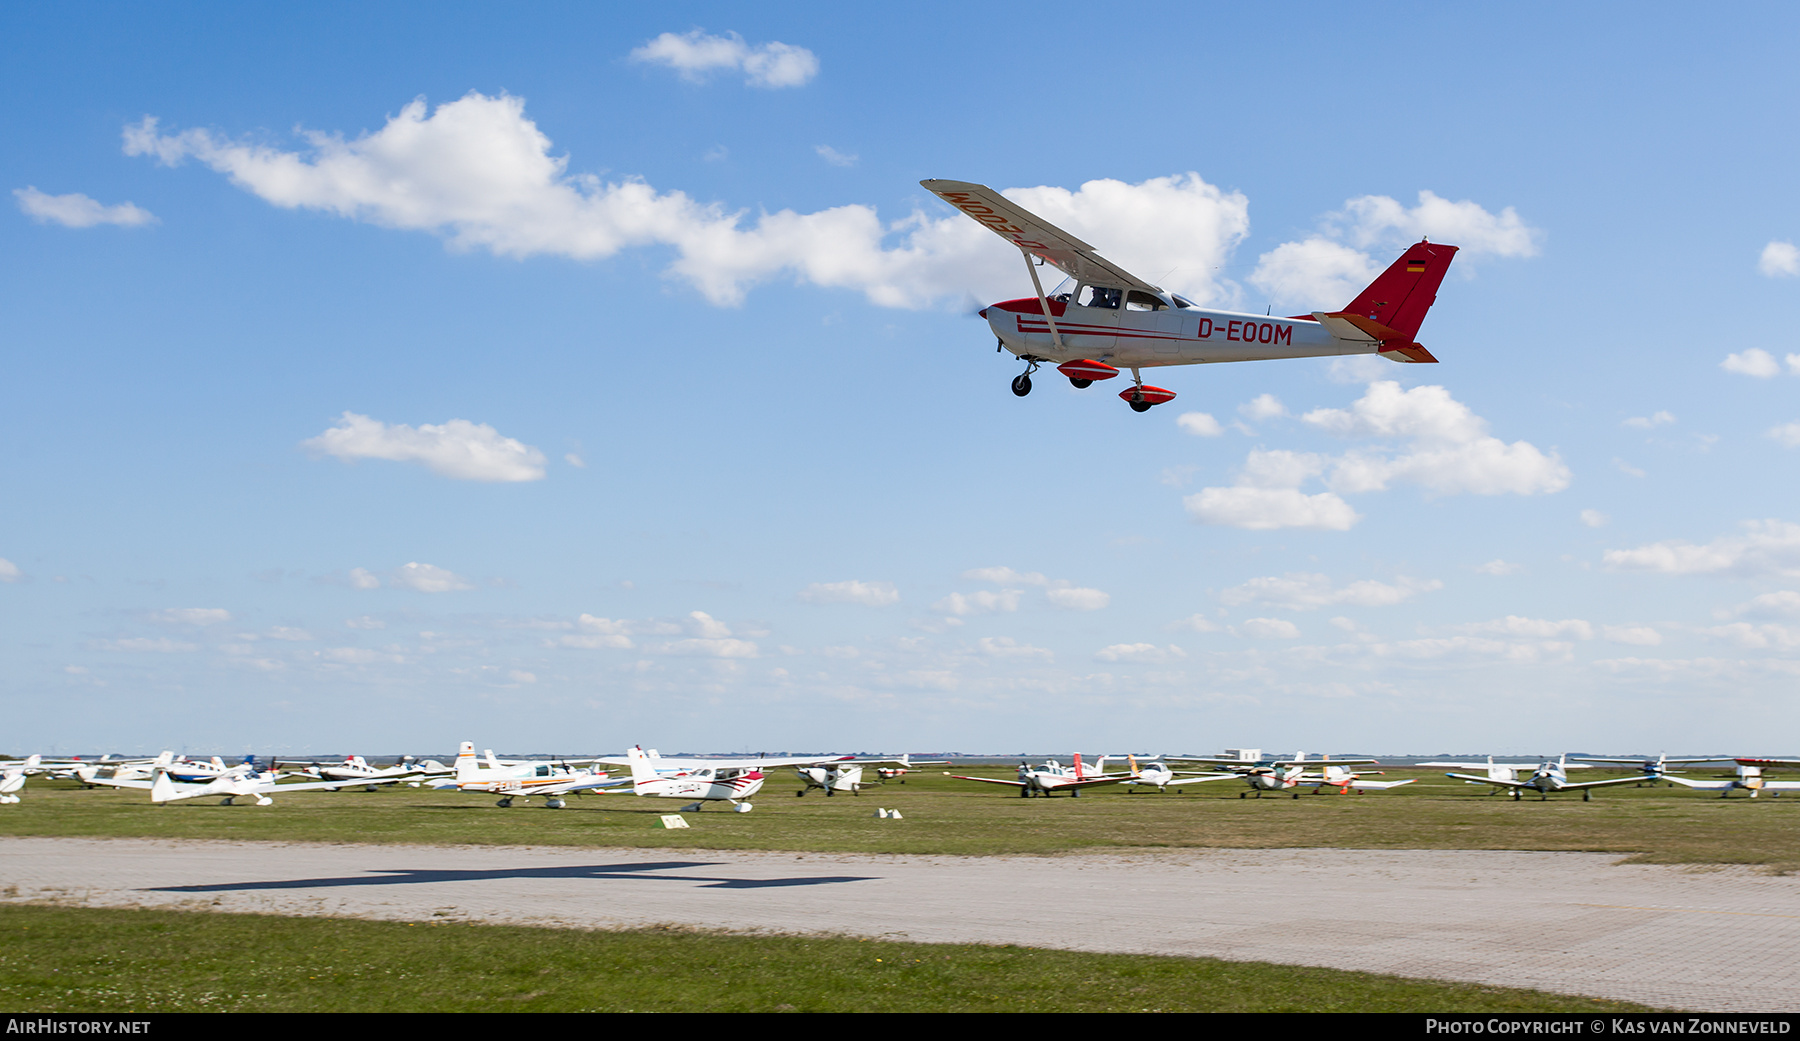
1021,384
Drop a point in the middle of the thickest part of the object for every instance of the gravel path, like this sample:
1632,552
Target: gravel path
1719,939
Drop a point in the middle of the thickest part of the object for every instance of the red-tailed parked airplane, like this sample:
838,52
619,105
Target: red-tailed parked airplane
1103,319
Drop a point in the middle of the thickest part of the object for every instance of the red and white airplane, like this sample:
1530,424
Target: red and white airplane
1052,777
701,780
1103,318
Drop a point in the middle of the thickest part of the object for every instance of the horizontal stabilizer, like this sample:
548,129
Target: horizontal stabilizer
1412,352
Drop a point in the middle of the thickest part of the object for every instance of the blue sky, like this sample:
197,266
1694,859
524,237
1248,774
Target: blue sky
567,377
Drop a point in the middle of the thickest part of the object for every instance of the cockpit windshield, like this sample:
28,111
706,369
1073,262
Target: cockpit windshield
1064,291
1182,302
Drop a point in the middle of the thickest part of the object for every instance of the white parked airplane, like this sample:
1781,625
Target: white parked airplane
1346,781
706,780
164,788
1157,774
1499,771
1103,318
1749,776
356,768
1552,776
1270,775
847,775
521,779
1050,777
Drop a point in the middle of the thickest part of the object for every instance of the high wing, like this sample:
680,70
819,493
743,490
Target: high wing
1497,781
1205,777
1636,779
990,780
677,762
1033,234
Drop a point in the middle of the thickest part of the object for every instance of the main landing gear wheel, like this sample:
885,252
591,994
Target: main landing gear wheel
742,807
1080,384
554,804
1142,396
1021,384
505,804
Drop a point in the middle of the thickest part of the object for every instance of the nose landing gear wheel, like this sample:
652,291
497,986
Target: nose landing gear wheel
1021,384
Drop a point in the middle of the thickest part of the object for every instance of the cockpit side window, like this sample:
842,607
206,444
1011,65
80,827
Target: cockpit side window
1138,300
1100,296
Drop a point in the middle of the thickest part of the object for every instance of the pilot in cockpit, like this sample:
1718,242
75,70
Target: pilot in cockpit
1101,296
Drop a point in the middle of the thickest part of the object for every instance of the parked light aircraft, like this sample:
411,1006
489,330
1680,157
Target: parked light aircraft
12,780
521,780
1157,774
1499,771
1749,776
707,780
1102,318
234,785
1051,777
1346,781
1269,775
1552,776
356,768
847,775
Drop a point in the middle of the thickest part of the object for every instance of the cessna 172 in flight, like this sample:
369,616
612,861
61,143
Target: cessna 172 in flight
1103,318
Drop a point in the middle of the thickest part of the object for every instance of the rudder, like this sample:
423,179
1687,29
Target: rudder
1400,296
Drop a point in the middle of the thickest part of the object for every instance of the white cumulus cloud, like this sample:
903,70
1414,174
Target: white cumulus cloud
191,616
1778,259
1006,647
1199,424
1267,509
835,157
1270,629
460,449
1075,598
1753,361
1594,518
981,601
480,173
9,571
1767,547
1647,422
429,578
694,55
1327,270
1302,591
1448,451
76,210
1786,433
871,594
1140,652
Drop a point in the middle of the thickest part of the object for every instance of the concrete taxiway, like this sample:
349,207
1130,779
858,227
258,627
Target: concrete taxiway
1719,939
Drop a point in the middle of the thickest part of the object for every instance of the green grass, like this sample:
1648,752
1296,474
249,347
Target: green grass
55,959
944,816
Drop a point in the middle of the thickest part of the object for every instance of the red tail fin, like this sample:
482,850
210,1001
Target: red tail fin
1403,293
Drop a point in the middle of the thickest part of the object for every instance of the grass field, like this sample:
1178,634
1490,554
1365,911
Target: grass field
944,816
87,960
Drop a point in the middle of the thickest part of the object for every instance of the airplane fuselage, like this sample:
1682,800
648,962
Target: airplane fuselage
1126,338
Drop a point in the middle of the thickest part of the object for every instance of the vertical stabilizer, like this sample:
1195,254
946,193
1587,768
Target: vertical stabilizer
1401,295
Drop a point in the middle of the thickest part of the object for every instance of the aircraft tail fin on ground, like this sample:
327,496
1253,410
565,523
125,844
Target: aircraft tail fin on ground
163,788
466,765
641,770
1400,296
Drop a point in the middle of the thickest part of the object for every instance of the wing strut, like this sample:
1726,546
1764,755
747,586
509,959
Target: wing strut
1055,337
